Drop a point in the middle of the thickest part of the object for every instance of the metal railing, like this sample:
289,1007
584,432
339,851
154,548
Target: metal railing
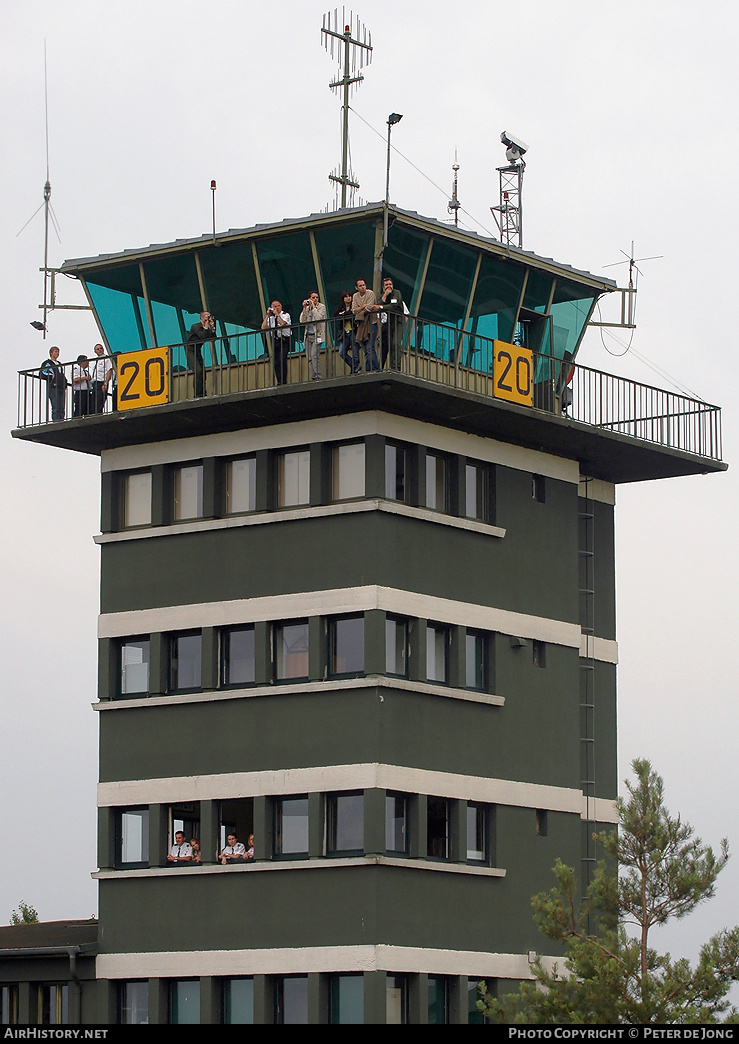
410,345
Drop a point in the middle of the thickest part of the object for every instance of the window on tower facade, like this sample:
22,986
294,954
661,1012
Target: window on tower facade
133,1002
437,482
291,826
396,472
134,666
241,485
437,647
346,645
293,478
137,499
188,492
290,641
476,660
346,1000
476,491
438,828
344,823
347,471
396,646
132,838
185,658
237,656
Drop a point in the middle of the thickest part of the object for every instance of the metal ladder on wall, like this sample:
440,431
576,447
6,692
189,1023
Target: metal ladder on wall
586,593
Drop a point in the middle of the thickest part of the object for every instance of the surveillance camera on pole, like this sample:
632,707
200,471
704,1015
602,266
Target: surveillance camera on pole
509,213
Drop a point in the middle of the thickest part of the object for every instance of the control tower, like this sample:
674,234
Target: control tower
367,619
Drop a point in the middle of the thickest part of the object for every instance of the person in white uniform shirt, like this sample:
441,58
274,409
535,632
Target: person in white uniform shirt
233,851
101,372
181,851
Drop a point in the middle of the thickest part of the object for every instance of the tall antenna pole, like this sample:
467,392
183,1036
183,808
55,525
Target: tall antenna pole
454,204
47,198
356,53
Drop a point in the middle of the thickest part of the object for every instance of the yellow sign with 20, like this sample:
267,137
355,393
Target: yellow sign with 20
143,378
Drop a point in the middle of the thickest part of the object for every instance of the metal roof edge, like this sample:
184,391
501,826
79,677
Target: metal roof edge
469,237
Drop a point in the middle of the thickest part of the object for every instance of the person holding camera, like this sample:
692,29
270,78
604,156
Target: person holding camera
201,332
314,316
278,322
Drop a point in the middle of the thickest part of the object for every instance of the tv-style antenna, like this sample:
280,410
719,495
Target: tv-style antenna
628,294
49,216
632,262
454,204
354,51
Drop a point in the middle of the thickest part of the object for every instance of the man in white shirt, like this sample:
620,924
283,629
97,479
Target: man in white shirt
101,372
234,851
181,851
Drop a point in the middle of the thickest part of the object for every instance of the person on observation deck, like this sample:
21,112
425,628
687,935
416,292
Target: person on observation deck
279,323
199,333
365,318
314,316
101,372
52,372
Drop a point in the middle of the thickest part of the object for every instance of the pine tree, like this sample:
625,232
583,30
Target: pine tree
610,974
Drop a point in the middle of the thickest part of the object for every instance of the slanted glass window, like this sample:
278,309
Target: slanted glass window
437,644
133,838
291,1000
476,491
396,823
396,1000
344,823
184,1002
438,828
477,840
346,1000
348,471
135,656
293,478
188,492
438,1000
539,488
133,1003
137,499
238,1002
237,655
396,472
291,826
53,1004
8,1005
346,645
437,482
241,485
291,650
476,672
396,646
185,654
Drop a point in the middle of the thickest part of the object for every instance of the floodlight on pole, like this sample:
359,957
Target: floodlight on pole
393,118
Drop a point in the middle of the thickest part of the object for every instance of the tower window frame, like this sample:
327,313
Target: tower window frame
293,477
345,823
134,667
291,650
348,471
187,492
136,507
240,485
438,637
346,646
185,661
238,656
437,481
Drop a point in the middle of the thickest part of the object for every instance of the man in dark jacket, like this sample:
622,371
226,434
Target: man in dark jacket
53,373
203,331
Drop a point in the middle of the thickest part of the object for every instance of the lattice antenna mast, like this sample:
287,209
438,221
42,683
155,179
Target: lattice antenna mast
454,204
509,212
354,52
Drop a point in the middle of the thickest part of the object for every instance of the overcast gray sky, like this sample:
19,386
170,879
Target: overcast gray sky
629,110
